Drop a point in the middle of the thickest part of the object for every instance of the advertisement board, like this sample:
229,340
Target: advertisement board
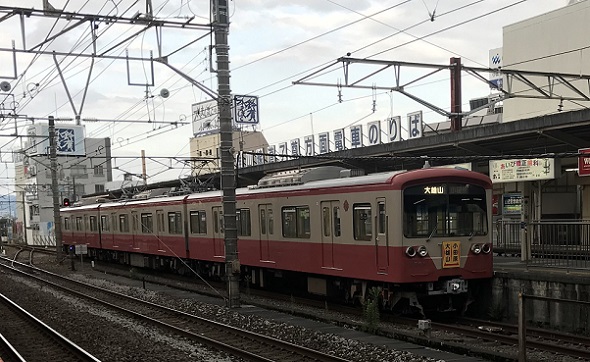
511,204
584,162
522,170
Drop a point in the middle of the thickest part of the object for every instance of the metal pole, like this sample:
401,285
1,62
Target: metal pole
54,188
24,217
521,329
143,168
232,264
456,118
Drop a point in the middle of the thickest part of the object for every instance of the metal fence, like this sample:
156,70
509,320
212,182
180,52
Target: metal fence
553,243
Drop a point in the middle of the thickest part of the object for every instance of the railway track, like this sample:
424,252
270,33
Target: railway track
8,353
22,330
237,342
493,333
562,343
25,253
537,339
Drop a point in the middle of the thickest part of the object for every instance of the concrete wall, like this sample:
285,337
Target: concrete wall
568,317
532,45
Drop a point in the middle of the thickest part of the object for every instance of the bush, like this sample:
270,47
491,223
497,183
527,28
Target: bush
371,310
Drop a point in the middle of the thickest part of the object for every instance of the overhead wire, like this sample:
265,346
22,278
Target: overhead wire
285,49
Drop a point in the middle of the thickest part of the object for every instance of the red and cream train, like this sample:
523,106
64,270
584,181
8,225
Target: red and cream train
415,234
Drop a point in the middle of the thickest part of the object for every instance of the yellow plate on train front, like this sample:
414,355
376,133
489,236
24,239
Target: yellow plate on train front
451,254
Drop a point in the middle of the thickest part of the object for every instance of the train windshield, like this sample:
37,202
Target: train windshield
445,209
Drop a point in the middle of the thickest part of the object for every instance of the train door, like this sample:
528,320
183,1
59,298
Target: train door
266,230
106,233
330,231
218,239
381,237
160,228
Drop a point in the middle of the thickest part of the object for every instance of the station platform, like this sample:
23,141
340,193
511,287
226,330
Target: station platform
514,267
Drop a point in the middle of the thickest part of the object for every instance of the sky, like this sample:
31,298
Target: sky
272,44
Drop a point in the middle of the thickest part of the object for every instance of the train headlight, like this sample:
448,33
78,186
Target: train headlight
422,251
486,248
411,252
476,248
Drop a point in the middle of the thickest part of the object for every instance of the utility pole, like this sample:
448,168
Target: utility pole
54,188
456,118
232,263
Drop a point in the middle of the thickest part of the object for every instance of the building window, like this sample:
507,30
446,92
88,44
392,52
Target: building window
78,171
79,190
98,170
296,222
174,222
98,188
243,222
198,222
33,211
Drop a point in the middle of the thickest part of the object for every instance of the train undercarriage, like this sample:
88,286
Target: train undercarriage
448,295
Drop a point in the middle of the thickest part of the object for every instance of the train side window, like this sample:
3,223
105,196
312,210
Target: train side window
215,222
93,223
134,221
263,221
124,223
175,222
66,223
79,224
104,223
160,221
218,221
326,220
336,211
243,222
296,222
381,217
147,223
362,221
270,222
114,222
198,221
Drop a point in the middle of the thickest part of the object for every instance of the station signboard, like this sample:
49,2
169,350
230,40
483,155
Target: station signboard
516,170
584,162
511,204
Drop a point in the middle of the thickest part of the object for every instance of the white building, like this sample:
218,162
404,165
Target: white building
553,42
84,167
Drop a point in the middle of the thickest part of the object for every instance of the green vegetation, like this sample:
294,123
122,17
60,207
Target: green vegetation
371,310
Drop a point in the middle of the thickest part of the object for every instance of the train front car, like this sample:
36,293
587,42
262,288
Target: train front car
444,254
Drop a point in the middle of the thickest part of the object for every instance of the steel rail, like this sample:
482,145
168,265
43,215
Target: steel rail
248,345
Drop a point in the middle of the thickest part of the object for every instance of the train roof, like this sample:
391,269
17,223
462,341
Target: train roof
310,180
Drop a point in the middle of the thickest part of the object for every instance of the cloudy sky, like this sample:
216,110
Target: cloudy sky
272,44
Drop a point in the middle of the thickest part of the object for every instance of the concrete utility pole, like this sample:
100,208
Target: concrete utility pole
456,117
54,188
232,264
